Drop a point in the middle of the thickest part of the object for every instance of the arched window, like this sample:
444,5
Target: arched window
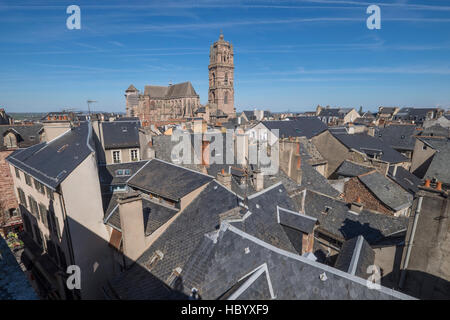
226,78
214,79
225,99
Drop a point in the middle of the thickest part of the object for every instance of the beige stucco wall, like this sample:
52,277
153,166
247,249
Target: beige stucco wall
90,237
125,155
420,155
331,149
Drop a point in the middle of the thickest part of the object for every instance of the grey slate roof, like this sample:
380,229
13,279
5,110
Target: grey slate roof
388,192
439,167
369,145
52,162
240,266
299,127
355,257
167,180
405,179
345,225
296,220
262,220
352,169
398,136
27,135
14,284
120,134
179,90
177,243
108,173
153,214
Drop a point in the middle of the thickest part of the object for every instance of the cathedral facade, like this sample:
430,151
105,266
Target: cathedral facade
160,103
181,101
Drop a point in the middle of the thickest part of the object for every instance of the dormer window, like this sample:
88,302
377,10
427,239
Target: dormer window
327,210
124,129
123,172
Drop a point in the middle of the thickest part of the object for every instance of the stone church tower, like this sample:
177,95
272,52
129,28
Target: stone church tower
221,77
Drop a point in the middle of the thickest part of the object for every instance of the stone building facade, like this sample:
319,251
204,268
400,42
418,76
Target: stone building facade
221,78
161,103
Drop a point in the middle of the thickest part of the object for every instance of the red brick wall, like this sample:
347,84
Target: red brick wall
7,195
354,188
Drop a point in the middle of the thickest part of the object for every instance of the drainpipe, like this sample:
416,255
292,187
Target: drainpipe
410,243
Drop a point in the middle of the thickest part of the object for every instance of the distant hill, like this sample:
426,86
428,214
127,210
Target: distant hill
27,115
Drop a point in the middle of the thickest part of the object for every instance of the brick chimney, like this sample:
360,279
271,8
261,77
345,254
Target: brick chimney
132,225
205,152
224,178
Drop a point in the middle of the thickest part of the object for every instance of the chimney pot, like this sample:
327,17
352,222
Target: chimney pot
427,183
439,186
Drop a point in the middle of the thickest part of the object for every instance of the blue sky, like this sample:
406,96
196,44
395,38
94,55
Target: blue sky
289,55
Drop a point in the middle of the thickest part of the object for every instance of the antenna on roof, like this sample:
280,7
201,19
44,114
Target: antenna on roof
89,107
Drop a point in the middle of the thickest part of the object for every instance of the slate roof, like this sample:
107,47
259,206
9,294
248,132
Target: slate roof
240,266
439,166
177,243
120,134
262,220
299,127
28,135
334,112
14,284
355,257
405,179
369,145
154,214
398,136
388,192
343,224
108,173
167,180
179,90
52,162
352,169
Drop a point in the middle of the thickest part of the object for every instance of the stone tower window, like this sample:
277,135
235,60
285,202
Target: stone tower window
225,99
226,78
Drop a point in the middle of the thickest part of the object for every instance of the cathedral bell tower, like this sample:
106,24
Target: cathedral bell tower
221,76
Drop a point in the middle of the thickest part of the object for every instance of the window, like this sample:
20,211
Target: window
226,78
424,147
43,212
17,173
119,188
50,194
134,154
22,198
123,172
116,156
39,186
225,99
33,207
28,179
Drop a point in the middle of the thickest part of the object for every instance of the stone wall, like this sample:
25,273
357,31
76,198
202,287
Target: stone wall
7,195
354,188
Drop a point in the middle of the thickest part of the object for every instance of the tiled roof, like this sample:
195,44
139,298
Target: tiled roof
343,224
398,136
167,180
179,90
120,134
300,127
51,162
388,192
352,169
369,145
240,266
